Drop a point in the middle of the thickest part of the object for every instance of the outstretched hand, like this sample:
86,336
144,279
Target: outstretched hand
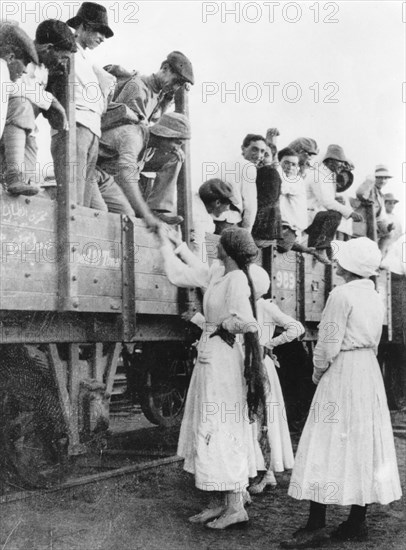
153,224
167,234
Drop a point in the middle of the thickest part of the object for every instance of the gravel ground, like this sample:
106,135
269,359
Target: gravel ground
149,510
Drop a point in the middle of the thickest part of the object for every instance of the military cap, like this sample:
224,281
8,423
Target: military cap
305,144
93,15
18,40
172,125
57,33
181,65
216,189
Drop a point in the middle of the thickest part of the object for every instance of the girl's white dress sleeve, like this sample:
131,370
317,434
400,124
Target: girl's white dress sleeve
183,269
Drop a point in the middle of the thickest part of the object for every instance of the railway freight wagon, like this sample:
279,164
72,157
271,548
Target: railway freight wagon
79,288
75,284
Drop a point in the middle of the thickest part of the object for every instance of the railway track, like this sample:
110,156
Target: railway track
125,452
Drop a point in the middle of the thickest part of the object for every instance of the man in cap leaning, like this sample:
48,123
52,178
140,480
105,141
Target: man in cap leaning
54,42
16,51
124,154
91,29
149,97
324,211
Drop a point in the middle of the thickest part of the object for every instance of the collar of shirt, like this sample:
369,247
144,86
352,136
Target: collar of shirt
230,216
81,50
152,82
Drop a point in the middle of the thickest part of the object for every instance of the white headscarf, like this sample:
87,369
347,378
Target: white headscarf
360,256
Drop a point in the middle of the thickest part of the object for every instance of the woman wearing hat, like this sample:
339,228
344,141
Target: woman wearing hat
216,437
346,454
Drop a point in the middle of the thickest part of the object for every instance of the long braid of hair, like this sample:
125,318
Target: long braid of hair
254,371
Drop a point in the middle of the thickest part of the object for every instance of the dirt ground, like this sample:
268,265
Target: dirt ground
149,510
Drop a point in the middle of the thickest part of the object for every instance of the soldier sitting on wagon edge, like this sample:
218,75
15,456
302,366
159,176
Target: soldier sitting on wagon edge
325,212
123,155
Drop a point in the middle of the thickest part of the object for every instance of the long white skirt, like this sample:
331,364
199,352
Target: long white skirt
278,429
346,454
216,438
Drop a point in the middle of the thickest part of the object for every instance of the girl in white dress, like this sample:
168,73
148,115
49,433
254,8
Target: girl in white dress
270,316
216,435
346,454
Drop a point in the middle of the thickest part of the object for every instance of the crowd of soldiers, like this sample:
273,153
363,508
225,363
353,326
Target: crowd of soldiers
284,197
122,128
124,131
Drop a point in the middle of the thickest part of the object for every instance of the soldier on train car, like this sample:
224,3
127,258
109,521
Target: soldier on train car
325,212
220,202
306,148
53,42
91,29
123,155
242,175
148,97
17,50
370,193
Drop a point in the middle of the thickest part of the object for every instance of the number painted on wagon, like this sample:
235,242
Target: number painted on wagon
285,280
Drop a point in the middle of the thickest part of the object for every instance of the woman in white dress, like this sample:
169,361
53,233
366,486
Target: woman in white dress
346,454
216,435
269,317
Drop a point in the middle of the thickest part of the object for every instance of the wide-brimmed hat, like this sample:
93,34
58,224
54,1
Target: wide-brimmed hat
304,144
181,65
360,256
217,189
12,35
172,125
94,15
382,171
57,33
390,197
335,152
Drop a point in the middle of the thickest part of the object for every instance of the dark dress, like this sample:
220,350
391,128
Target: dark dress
268,223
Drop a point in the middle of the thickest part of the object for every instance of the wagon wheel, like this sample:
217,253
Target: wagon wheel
164,383
28,459
33,443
